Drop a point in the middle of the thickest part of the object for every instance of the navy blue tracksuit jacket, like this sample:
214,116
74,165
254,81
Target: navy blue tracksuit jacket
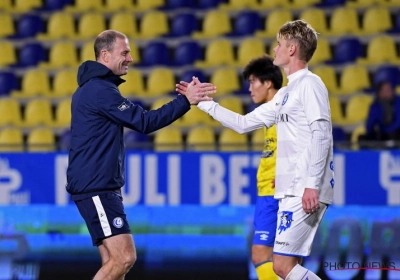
99,113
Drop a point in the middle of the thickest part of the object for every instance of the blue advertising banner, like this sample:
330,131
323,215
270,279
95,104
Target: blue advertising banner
207,179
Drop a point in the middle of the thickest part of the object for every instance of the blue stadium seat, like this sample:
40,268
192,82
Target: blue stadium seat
208,4
330,3
389,74
183,25
187,75
156,53
56,5
177,4
338,134
31,55
187,53
8,83
246,23
347,50
29,26
134,139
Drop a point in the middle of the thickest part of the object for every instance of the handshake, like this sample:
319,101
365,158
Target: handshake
195,91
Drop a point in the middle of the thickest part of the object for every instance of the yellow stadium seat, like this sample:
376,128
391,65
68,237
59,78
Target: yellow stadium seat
218,52
226,80
90,25
59,25
7,25
10,112
316,18
258,140
157,88
64,83
38,112
239,4
300,4
153,24
230,141
364,3
355,134
119,5
142,5
41,140
134,52
336,110
168,139
35,82
354,78
63,114
376,20
11,140
232,103
215,23
357,109
249,49
87,52
344,21
159,102
328,76
23,6
62,54
196,117
85,5
274,21
323,52
201,138
124,22
380,50
8,56
273,4
134,85
6,5
392,3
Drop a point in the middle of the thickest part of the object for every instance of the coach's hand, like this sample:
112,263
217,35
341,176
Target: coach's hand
310,200
196,91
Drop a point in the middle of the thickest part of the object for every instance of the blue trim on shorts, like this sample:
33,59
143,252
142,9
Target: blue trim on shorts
289,255
265,220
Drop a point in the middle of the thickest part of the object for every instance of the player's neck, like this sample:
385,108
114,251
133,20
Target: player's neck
294,66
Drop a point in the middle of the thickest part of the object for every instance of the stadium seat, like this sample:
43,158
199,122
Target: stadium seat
344,21
249,49
8,56
8,83
161,101
11,140
179,4
62,54
328,76
134,52
184,25
135,140
215,23
316,18
90,25
143,5
226,80
376,20
230,141
155,54
208,4
247,23
387,73
257,140
157,88
239,5
338,134
87,52
119,5
347,50
232,103
59,25
355,135
187,53
336,110
31,54
6,5
153,24
381,49
357,108
301,4
38,112
35,82
331,3
197,117
364,3
393,3
134,85
85,6
55,5
322,53
354,78
10,111
63,114
274,21
29,26
188,74
201,138
41,140
124,22
273,4
218,52
168,139
64,83
23,6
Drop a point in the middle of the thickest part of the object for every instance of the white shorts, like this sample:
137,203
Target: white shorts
295,228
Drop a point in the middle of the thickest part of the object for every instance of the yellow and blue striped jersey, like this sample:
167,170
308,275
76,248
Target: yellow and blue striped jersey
266,169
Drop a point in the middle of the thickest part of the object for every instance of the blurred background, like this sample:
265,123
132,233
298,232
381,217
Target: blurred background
191,187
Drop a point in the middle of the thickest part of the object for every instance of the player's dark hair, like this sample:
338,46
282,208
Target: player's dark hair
264,69
106,41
